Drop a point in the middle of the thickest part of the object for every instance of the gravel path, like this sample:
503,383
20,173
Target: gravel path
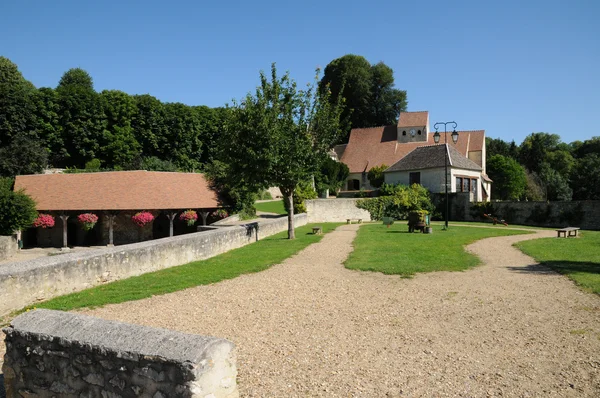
310,327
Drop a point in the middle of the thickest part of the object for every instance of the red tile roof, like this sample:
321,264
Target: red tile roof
118,190
413,119
375,146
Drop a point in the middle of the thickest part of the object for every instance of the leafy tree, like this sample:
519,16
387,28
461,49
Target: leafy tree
585,178
534,149
81,116
557,186
238,194
375,175
304,191
397,201
497,146
17,211
331,175
561,161
17,109
22,156
581,149
535,187
153,163
509,178
118,145
149,126
48,125
182,145
277,136
370,98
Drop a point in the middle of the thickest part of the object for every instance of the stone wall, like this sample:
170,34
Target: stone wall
334,210
8,247
26,282
54,353
584,214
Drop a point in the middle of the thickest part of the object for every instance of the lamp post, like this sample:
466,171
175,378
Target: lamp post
436,139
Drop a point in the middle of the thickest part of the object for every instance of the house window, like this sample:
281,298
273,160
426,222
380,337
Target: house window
414,178
474,187
419,132
354,185
466,185
404,132
459,182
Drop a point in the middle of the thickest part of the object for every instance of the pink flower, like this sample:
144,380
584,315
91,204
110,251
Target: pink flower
88,220
142,218
44,221
189,216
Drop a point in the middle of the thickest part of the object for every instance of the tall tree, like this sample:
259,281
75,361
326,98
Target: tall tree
149,126
81,116
534,149
497,146
183,146
22,156
585,177
370,98
118,146
17,108
277,136
509,178
48,125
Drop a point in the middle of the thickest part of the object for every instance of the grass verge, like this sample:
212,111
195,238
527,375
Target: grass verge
395,251
254,257
577,258
488,224
275,206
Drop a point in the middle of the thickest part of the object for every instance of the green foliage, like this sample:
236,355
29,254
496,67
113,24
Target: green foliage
331,175
557,186
304,191
17,210
265,195
370,98
375,175
93,165
22,156
238,195
579,259
6,183
252,258
496,146
535,187
478,209
403,200
534,149
153,163
585,178
280,134
396,252
118,145
508,176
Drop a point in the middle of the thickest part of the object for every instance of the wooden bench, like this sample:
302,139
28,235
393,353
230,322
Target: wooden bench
572,231
317,230
358,220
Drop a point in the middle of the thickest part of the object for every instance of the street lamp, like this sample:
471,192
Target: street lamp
436,139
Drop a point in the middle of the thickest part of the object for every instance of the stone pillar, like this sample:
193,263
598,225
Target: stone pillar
204,215
171,217
64,219
111,223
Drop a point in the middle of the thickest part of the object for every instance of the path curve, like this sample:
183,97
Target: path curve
310,327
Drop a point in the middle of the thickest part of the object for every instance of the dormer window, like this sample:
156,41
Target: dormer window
404,132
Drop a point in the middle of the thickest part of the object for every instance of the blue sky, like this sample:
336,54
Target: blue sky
509,67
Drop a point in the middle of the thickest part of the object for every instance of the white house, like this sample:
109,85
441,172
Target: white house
426,166
387,145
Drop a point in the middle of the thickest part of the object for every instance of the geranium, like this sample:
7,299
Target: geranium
87,220
44,221
142,218
221,213
189,216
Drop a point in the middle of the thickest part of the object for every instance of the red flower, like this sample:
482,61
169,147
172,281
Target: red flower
44,221
189,216
88,220
142,218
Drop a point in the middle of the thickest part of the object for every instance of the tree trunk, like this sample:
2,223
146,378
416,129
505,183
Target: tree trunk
291,232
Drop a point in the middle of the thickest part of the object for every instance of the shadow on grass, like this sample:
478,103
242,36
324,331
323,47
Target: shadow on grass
562,267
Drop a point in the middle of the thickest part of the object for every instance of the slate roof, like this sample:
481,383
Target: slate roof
375,146
433,156
118,190
413,119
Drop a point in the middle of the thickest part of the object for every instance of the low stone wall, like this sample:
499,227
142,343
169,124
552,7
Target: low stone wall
584,214
54,353
334,210
26,282
8,247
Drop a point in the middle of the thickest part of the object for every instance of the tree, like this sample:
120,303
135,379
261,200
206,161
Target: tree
17,109
22,156
497,146
585,178
277,136
508,176
48,125
182,141
149,126
17,211
370,98
535,187
81,117
534,149
118,146
557,186
375,175
331,175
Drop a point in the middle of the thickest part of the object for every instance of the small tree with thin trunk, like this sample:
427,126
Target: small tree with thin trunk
277,135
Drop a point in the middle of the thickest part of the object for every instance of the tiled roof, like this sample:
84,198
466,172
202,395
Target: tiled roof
433,156
413,119
375,146
118,190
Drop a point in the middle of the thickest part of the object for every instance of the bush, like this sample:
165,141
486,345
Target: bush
17,211
303,191
265,195
375,175
399,204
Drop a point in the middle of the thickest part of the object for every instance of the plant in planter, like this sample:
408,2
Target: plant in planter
142,218
44,221
189,216
87,220
221,213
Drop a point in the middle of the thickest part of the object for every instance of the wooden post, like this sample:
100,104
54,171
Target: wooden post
64,219
171,217
204,215
111,222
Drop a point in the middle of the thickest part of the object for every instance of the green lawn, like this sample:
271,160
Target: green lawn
271,207
486,224
395,251
254,257
578,258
